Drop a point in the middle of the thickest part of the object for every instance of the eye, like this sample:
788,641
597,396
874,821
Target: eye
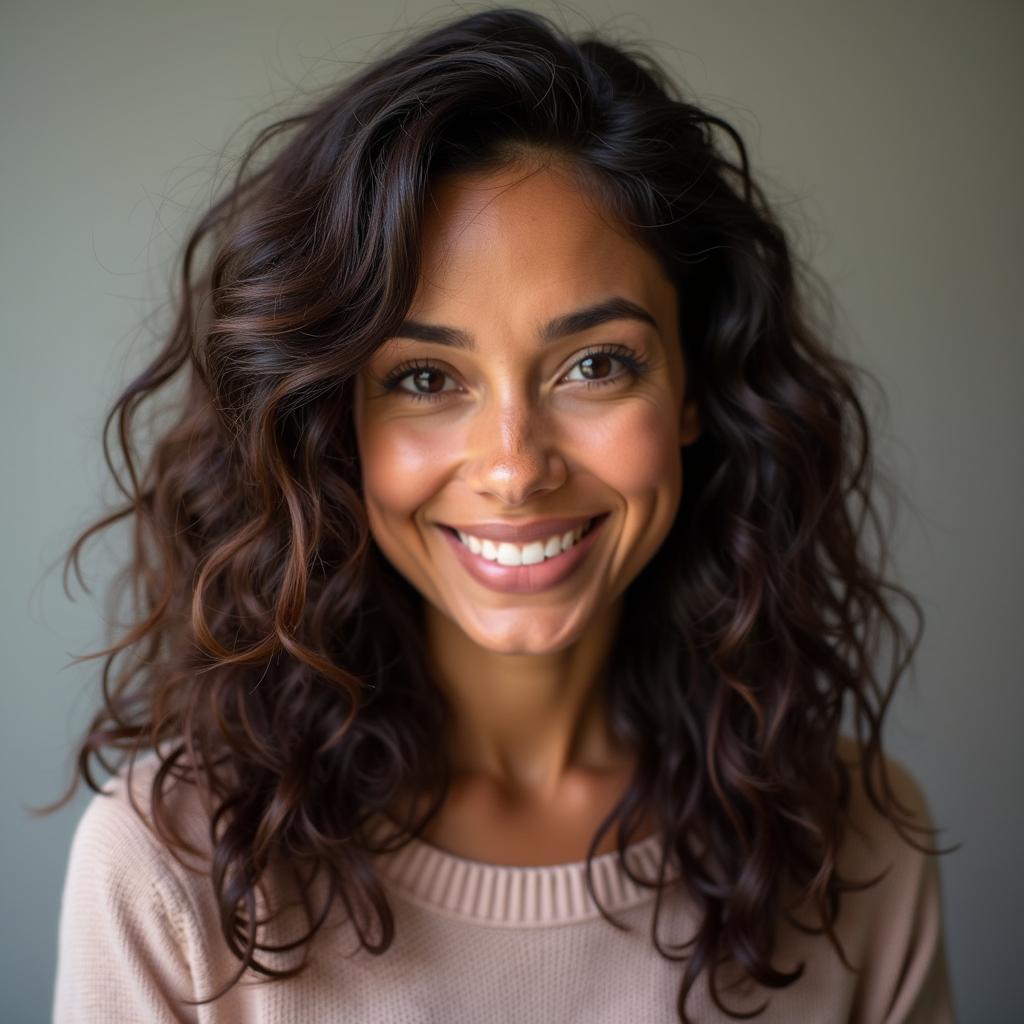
427,379
423,374
595,363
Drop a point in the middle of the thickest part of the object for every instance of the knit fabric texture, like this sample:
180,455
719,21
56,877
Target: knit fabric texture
479,943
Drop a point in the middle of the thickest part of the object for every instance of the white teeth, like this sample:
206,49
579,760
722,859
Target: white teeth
533,553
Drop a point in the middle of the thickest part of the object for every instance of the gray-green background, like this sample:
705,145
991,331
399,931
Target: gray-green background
890,133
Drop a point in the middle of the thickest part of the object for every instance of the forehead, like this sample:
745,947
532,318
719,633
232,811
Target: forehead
528,241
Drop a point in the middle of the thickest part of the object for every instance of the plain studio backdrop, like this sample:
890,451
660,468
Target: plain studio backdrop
888,133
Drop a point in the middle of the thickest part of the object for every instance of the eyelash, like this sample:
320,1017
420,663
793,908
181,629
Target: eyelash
634,365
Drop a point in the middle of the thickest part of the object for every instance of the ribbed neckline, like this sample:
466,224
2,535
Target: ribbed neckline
514,896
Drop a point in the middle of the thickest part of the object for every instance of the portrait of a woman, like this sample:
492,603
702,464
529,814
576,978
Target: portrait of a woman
502,579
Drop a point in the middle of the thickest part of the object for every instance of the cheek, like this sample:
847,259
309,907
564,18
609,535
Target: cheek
637,452
401,469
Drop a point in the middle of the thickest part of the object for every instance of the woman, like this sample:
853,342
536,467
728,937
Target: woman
500,587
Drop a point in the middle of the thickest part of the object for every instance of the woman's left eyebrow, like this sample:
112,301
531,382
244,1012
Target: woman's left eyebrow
615,308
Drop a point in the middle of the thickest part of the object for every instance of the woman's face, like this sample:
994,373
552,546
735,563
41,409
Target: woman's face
514,415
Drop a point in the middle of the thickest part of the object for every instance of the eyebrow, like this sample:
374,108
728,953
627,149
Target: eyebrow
615,308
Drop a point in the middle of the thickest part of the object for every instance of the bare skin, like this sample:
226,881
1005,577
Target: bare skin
517,433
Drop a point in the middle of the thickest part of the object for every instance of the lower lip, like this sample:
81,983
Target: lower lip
523,579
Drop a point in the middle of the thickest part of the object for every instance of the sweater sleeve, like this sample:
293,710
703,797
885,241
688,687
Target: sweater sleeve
923,995
120,948
906,979
922,992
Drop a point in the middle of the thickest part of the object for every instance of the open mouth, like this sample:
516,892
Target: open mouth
528,568
525,553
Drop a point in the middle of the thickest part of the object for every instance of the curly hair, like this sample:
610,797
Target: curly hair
261,662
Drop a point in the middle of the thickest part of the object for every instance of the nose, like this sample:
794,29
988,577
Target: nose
514,454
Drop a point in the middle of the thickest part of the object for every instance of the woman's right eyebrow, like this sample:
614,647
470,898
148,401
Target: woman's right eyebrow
614,308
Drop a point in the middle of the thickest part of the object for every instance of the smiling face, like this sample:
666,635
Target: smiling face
519,413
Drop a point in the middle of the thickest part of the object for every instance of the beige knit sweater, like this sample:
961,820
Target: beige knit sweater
480,943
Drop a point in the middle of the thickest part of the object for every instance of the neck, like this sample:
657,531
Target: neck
526,722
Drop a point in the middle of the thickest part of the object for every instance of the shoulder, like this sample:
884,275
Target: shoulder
122,873
889,840
132,917
872,833
892,928
117,834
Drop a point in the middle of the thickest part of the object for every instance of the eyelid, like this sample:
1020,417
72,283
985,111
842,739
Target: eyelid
636,365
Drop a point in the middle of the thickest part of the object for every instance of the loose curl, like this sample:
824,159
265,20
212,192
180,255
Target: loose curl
263,665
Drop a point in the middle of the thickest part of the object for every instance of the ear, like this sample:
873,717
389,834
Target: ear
689,423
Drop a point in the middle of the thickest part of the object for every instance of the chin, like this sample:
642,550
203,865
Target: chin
523,631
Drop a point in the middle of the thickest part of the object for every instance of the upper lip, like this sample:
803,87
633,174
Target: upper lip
534,529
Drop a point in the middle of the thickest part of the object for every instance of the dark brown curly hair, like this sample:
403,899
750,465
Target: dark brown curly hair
262,662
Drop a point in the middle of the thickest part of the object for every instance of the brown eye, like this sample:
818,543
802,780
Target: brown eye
424,377
427,381
592,366
597,367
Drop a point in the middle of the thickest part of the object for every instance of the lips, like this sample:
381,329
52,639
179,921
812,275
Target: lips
526,579
523,533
